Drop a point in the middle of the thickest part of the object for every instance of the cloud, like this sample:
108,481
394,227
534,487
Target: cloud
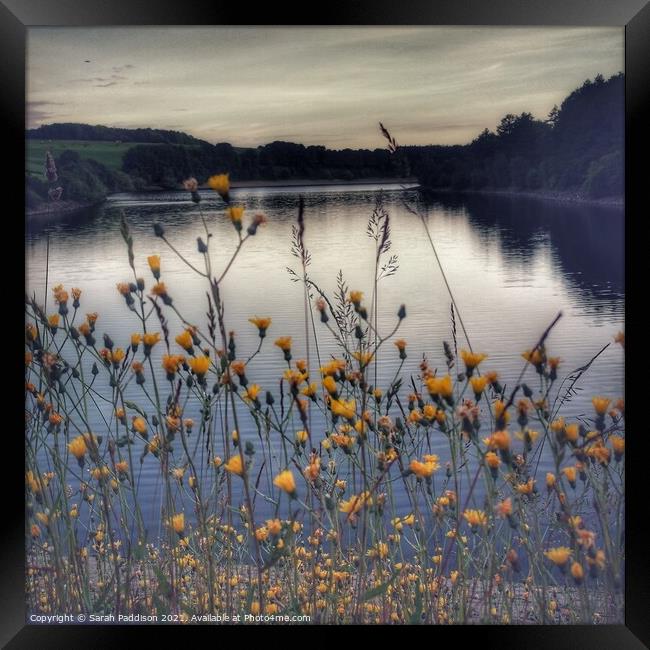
318,85
38,112
99,79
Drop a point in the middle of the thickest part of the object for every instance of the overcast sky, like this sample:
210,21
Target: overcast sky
320,85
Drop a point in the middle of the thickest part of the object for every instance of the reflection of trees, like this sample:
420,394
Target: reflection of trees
587,240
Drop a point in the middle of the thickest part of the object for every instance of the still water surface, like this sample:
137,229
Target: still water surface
512,263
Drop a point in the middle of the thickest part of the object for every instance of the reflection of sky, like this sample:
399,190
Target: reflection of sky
510,278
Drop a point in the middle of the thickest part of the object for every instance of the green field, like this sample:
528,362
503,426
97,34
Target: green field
108,153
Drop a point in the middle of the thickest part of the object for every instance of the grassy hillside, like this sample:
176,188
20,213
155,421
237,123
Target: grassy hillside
108,154
577,149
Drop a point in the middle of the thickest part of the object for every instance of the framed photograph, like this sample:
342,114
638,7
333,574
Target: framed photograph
324,320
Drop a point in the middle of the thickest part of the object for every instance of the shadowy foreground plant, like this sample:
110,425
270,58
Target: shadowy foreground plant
367,523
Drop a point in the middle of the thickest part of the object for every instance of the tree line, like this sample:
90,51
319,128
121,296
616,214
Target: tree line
76,131
167,165
577,148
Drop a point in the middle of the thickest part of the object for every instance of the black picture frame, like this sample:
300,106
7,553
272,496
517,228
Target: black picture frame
18,15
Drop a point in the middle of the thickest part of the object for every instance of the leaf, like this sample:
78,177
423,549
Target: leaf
378,591
416,616
249,598
274,559
163,587
103,597
134,407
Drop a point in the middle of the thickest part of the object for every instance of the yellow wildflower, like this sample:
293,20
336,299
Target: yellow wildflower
355,503
312,471
478,384
78,448
472,359
425,469
498,440
364,358
154,265
333,367
535,357
329,383
159,289
262,324
178,523
235,213
571,432
356,297
440,386
185,340
559,555
492,460
150,339
400,344
199,365
171,363
577,572
344,409
475,518
285,481
284,343
570,473
601,405
526,488
220,183
234,465
504,508
618,445
274,526
252,392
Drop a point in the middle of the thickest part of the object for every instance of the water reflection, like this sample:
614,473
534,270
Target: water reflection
512,263
586,240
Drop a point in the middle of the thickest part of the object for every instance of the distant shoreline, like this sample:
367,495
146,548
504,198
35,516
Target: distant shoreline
306,182
547,195
59,208
295,182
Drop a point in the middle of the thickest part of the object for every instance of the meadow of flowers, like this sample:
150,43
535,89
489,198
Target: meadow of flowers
533,548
